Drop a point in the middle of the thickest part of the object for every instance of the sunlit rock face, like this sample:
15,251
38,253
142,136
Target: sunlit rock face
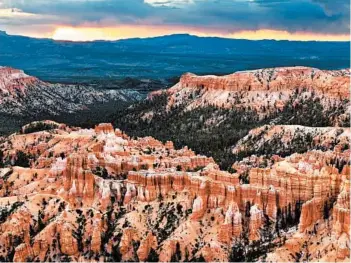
14,80
274,79
263,91
72,194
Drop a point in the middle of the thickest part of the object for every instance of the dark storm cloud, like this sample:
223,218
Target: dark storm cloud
321,16
335,6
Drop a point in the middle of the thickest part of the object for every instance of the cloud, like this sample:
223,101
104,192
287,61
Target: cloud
224,16
333,7
169,3
14,12
18,18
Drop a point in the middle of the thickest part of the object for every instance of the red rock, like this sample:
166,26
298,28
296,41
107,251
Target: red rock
133,198
150,242
256,219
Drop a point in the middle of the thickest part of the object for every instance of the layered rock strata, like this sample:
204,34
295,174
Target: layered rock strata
99,195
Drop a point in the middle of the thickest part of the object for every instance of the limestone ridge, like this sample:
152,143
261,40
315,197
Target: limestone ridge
263,90
23,95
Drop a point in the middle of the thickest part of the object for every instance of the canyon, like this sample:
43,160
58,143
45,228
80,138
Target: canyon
211,114
252,166
72,194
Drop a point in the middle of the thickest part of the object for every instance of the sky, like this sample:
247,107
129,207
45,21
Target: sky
86,20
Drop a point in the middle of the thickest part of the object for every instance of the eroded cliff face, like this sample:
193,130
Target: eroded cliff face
264,91
14,81
277,111
99,195
24,98
274,79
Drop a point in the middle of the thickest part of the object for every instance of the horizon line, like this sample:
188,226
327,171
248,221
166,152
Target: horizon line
169,35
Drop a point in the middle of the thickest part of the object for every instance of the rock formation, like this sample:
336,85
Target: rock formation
23,97
97,194
277,111
263,90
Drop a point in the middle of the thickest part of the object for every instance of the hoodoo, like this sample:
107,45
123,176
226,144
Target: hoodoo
90,193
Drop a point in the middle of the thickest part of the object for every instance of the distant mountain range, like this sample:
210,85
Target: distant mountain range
161,57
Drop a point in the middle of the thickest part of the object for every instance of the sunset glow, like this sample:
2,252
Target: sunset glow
285,35
109,33
125,31
89,20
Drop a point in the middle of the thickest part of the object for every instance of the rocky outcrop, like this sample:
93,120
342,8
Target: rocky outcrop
14,81
341,210
256,218
126,247
259,89
232,226
288,110
274,79
148,243
23,94
104,128
26,97
22,253
68,243
78,181
311,212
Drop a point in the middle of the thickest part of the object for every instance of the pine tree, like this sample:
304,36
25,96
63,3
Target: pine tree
176,257
237,253
289,218
326,210
247,209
